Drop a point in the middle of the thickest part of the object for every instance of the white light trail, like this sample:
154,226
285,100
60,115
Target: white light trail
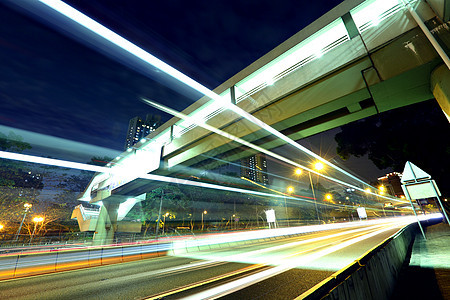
246,257
263,234
86,167
201,123
233,286
126,45
53,162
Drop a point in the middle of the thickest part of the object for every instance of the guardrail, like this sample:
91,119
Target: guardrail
27,264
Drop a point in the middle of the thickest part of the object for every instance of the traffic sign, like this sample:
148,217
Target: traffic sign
417,184
413,173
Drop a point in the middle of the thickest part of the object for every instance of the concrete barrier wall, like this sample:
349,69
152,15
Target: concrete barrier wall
373,276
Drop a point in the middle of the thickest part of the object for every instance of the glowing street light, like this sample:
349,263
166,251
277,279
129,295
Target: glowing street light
164,224
203,213
290,190
298,171
36,220
319,166
367,190
328,196
1,226
27,208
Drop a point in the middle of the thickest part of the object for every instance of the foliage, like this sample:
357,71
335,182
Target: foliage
13,142
417,133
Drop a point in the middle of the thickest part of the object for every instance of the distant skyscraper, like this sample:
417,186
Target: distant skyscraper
255,168
139,128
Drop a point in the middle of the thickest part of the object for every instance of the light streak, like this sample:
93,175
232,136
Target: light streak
86,167
230,287
263,234
244,257
201,123
112,171
53,162
126,45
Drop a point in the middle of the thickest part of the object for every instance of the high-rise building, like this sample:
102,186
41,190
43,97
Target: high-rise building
255,168
392,183
139,128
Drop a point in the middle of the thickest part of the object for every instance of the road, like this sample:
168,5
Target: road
272,269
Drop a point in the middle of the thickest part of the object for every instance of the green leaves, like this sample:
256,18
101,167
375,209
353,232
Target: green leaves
13,143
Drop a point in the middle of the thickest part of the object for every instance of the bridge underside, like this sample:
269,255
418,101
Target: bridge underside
385,67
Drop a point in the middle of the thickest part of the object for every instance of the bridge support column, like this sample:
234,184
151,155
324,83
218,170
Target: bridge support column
106,224
440,87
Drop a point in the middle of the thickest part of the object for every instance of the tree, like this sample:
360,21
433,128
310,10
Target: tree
417,133
13,142
17,186
173,200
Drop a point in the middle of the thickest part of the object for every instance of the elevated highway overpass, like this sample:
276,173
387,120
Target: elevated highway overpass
359,59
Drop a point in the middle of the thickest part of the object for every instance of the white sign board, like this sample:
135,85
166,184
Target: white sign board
361,212
270,215
421,190
412,173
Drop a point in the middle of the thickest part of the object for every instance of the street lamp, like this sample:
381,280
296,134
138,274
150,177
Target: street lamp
318,166
1,226
290,190
164,224
328,197
36,220
233,221
27,208
203,213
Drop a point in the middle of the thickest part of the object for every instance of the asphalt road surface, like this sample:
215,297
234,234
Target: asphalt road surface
277,269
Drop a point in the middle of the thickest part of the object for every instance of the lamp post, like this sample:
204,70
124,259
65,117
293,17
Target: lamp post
290,190
233,221
318,166
36,220
27,207
164,224
381,189
203,213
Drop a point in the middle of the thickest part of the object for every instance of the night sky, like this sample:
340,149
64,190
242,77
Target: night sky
58,86
54,85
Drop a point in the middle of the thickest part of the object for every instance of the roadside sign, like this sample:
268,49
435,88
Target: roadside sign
417,184
361,212
270,216
412,173
420,190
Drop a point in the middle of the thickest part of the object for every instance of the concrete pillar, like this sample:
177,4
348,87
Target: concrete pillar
440,87
106,224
